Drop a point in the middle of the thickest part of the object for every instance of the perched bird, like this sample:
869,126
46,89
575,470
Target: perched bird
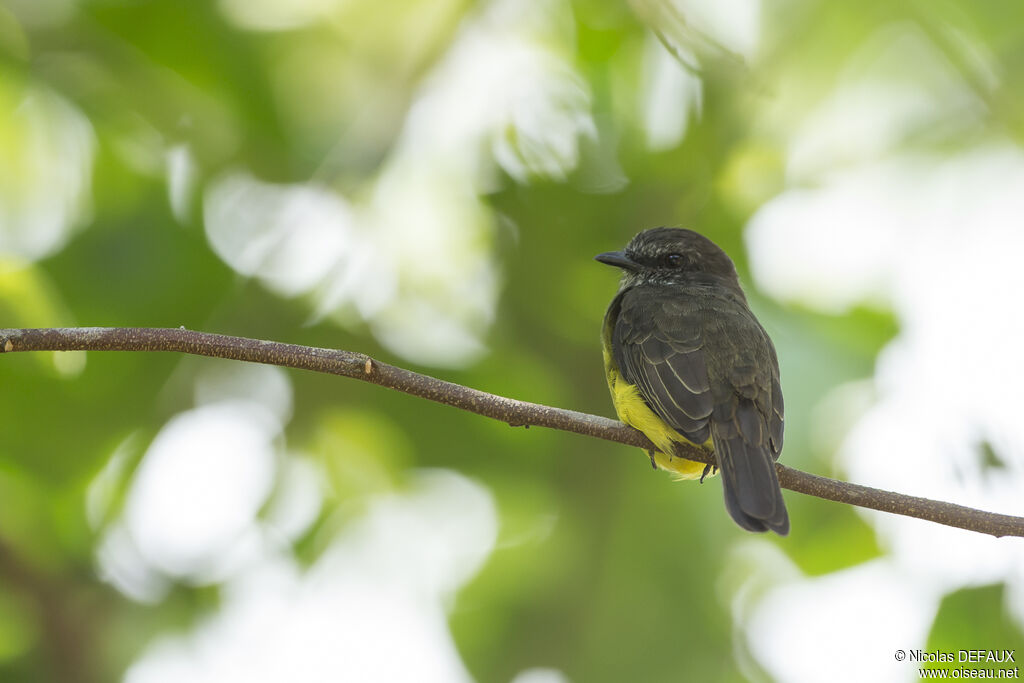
688,362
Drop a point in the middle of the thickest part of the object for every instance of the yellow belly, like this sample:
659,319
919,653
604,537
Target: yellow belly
634,411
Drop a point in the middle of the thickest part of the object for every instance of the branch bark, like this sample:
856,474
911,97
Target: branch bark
515,413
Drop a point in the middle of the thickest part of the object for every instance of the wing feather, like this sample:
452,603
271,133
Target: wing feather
667,364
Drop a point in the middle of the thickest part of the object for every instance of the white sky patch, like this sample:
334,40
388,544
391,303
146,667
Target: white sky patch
539,675
372,608
120,564
898,84
45,171
446,278
504,84
297,499
182,177
289,236
425,334
192,511
846,259
733,24
845,626
266,386
200,485
669,96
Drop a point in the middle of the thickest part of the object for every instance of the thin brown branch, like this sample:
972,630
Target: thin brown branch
515,413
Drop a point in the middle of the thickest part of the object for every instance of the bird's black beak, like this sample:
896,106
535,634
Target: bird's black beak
617,259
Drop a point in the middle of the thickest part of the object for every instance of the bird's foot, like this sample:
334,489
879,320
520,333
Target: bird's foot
712,469
653,463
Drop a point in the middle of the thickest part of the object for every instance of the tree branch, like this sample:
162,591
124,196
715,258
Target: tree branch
515,413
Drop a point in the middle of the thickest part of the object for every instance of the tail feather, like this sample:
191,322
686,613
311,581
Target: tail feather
753,496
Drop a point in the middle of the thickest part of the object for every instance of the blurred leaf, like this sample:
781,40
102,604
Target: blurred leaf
975,619
18,630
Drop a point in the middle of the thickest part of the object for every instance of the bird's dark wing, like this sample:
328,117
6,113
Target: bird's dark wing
705,366
658,345
747,420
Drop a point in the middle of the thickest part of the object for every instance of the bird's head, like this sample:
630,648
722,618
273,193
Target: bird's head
672,256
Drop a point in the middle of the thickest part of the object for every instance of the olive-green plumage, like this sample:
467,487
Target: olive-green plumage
686,360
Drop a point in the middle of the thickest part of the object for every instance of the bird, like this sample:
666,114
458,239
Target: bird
687,362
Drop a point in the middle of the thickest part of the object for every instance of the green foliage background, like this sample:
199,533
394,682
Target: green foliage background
634,580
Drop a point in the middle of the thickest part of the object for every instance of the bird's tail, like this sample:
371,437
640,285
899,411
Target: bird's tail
753,496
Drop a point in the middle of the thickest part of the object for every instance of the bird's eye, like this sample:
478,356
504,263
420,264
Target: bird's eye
674,260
